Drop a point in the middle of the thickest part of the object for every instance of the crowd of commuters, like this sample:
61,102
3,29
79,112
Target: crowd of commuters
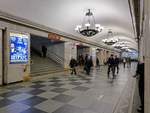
113,67
86,62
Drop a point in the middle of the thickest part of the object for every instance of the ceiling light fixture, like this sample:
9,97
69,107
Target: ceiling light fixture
110,40
89,28
120,45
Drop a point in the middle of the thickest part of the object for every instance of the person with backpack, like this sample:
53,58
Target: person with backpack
73,65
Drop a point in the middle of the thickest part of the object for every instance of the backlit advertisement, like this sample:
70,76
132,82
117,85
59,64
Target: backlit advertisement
18,48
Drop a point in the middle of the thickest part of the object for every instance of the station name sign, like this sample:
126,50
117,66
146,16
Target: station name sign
53,36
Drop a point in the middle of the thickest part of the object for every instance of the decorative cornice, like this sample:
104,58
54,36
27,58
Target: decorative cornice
27,23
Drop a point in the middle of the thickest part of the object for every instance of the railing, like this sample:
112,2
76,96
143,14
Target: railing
55,57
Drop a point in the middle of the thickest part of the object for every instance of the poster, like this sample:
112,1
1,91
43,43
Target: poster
18,48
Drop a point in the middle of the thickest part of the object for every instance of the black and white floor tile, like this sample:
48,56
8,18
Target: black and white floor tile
83,94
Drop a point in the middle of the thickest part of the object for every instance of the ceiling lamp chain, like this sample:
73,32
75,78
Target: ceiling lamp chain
89,28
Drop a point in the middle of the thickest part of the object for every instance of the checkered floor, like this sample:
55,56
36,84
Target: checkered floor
65,94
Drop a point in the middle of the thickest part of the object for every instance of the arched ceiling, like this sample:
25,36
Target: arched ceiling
64,15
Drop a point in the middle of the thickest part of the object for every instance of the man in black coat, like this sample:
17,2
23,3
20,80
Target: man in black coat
73,64
140,73
88,64
111,65
116,61
44,51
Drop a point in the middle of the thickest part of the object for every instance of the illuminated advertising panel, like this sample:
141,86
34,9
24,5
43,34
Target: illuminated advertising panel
18,48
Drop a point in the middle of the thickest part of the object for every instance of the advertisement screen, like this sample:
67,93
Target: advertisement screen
18,48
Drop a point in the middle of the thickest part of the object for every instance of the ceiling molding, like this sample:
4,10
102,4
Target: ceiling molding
27,23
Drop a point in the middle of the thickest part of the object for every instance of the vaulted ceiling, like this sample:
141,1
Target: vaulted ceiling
64,15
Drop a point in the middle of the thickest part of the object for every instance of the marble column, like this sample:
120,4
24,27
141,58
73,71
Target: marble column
70,50
0,57
147,56
93,54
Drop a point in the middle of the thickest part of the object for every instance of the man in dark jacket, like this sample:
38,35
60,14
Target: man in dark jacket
88,65
111,65
44,51
97,62
73,64
140,73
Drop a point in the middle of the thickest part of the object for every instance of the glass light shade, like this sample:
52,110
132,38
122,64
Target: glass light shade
79,26
97,25
89,28
87,25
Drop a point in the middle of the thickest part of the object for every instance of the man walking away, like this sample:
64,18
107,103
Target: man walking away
116,64
97,62
88,65
73,64
44,51
111,66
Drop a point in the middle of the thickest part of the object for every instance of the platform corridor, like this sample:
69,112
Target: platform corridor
65,94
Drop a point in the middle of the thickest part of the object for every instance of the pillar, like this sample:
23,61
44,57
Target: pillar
1,57
147,56
70,50
93,54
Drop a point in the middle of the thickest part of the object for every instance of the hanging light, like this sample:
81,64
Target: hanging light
110,40
89,27
120,45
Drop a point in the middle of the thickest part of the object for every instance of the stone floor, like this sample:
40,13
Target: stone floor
136,102
71,94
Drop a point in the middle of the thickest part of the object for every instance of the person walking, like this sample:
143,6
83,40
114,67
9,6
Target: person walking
129,62
88,65
116,61
44,51
124,62
85,62
97,62
111,66
73,64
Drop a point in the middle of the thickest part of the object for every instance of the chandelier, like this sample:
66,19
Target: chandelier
88,28
120,45
110,40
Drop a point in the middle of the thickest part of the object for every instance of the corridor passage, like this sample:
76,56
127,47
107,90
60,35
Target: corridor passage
65,94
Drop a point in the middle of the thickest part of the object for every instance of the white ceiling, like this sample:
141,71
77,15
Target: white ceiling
64,15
